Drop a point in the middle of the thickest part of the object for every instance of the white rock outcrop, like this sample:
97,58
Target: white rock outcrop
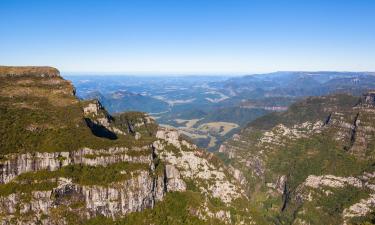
16,164
174,181
134,194
361,208
332,181
192,165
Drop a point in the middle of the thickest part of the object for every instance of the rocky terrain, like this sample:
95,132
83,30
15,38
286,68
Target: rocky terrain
189,103
69,161
66,161
312,164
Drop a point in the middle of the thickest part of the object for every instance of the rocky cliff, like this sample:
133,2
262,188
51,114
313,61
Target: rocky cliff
65,161
313,164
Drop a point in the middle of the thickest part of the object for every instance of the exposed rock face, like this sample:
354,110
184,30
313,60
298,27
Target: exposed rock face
99,120
280,184
92,108
192,165
141,190
172,137
45,166
16,164
238,175
332,181
367,100
174,181
362,208
205,213
133,123
132,195
228,151
329,183
308,160
169,135
135,194
64,158
137,136
281,134
22,163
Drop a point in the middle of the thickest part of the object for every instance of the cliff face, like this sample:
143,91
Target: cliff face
64,161
137,193
314,162
17,164
367,100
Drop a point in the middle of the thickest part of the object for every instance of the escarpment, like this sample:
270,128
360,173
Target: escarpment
312,164
13,165
69,161
66,161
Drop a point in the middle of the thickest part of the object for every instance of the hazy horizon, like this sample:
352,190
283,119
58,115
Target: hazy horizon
189,37
182,74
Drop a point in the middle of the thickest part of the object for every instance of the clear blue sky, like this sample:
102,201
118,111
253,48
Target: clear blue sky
189,36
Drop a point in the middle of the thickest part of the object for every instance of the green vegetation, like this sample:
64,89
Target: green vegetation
224,158
121,101
126,121
134,153
54,133
171,148
26,187
176,208
100,175
329,208
315,155
38,114
235,115
36,117
80,174
310,109
364,220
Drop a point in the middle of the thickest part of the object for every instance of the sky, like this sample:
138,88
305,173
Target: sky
188,36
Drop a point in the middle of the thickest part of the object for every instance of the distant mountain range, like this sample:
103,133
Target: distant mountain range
68,161
297,84
290,160
120,101
237,100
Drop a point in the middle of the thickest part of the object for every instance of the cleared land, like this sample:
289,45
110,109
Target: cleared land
212,131
221,128
187,123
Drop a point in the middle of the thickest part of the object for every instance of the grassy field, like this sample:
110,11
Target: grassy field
208,135
221,128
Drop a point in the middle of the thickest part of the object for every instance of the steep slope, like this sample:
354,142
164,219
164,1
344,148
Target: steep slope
65,161
313,164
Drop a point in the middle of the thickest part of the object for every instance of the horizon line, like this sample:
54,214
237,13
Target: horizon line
158,73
